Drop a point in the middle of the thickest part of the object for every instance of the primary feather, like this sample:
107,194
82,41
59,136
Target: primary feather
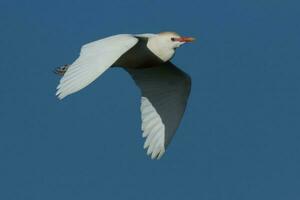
95,58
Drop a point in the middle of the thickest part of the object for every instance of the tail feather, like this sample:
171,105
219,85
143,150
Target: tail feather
61,70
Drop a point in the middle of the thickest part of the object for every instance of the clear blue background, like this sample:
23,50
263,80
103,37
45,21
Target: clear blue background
239,138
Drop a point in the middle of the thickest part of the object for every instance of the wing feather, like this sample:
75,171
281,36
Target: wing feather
165,91
95,58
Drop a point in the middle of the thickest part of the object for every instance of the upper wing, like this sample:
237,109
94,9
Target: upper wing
94,59
147,35
165,90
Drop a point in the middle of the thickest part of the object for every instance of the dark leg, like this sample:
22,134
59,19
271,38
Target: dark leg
61,70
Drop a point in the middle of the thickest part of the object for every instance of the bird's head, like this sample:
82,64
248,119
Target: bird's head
164,44
172,39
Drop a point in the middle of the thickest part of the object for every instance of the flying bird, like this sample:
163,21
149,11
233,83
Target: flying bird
146,57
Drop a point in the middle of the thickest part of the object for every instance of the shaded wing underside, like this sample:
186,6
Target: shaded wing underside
167,88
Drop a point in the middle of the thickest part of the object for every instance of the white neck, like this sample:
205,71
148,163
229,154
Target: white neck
160,49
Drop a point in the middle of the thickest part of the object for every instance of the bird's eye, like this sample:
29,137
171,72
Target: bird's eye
173,39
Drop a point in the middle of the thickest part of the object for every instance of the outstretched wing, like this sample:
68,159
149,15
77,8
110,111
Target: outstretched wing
165,90
94,59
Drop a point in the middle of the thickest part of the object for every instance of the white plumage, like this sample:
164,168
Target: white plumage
95,58
153,128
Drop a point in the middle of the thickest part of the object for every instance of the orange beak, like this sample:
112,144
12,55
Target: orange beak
185,39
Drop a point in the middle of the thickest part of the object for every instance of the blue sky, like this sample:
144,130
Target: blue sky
239,138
